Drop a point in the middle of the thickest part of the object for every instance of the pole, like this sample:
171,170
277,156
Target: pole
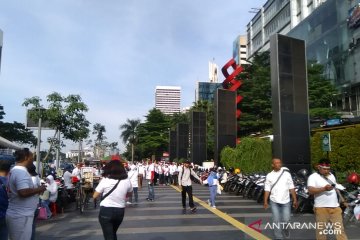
132,153
58,152
38,149
79,152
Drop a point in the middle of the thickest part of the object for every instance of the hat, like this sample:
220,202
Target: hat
187,161
115,157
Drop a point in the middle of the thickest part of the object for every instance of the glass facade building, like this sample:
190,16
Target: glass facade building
206,91
332,36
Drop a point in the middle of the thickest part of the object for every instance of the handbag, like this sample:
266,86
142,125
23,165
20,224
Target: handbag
42,213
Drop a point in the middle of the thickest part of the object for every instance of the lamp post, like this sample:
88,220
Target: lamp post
38,159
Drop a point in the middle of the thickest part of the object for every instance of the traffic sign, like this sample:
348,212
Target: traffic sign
326,142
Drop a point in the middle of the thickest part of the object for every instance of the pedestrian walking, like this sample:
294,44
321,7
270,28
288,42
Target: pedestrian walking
113,188
213,182
322,184
150,174
23,197
4,200
186,186
278,184
141,175
36,181
133,176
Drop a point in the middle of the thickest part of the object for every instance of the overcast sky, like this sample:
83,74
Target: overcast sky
113,52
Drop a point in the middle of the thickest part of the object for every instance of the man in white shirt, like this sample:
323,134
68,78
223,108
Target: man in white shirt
327,209
278,183
150,174
185,184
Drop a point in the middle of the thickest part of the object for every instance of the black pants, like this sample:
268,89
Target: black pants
110,219
188,190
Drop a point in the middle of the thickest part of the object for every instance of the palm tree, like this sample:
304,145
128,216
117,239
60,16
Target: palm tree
129,133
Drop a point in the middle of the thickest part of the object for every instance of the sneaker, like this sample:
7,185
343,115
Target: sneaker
152,200
129,203
214,207
208,202
148,199
193,209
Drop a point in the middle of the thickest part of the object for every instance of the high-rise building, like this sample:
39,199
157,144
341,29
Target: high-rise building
167,99
240,50
206,91
213,72
276,16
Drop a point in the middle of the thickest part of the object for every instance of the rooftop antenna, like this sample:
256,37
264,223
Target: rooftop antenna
254,10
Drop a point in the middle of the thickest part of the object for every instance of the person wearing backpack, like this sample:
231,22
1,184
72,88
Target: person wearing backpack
279,185
4,201
113,189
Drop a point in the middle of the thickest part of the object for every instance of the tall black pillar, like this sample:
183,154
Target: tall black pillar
172,145
198,137
225,121
290,102
182,140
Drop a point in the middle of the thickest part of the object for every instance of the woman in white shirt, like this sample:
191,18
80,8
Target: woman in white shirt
133,177
114,188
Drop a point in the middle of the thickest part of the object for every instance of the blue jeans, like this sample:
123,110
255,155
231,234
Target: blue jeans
281,214
45,204
135,190
213,191
3,229
151,191
110,219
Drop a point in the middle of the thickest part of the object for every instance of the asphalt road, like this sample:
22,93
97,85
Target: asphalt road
164,219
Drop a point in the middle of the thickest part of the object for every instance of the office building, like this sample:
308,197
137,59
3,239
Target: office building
213,72
206,91
332,36
240,50
167,99
277,16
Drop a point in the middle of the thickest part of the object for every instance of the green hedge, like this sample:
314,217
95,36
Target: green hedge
345,149
251,155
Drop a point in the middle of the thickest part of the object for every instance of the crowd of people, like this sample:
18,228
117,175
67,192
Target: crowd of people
22,192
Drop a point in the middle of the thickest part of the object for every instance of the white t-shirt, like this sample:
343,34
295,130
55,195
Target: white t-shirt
67,180
280,192
172,169
118,196
133,176
76,172
19,178
327,198
142,170
149,169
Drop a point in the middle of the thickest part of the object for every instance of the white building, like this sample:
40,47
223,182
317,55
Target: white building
167,99
87,152
240,50
276,16
213,72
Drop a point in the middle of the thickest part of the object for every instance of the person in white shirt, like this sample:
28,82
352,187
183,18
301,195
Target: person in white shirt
150,174
166,174
67,178
77,171
114,188
322,185
173,178
278,184
23,197
186,186
133,176
141,175
36,181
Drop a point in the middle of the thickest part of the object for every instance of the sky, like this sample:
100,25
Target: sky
113,53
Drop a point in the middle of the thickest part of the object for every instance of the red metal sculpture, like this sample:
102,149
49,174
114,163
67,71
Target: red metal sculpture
230,82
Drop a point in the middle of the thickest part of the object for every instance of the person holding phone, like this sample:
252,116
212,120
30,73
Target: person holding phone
322,184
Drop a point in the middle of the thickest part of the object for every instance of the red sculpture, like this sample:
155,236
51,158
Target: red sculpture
230,82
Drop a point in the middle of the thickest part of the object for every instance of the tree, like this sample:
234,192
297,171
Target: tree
153,134
16,132
256,105
99,130
256,91
64,114
129,134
